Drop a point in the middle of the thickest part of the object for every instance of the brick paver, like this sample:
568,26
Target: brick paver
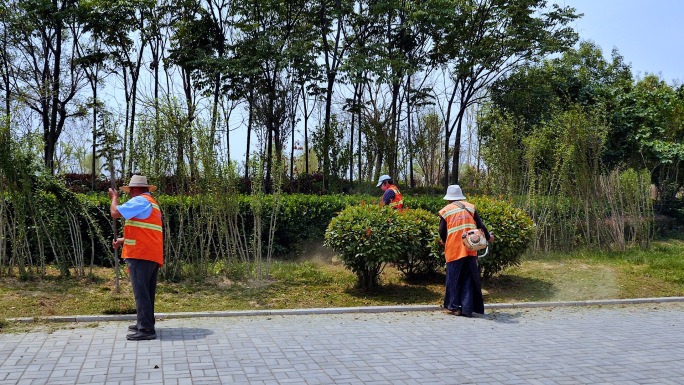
632,344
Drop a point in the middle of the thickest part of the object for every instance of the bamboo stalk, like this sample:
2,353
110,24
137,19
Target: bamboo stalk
115,232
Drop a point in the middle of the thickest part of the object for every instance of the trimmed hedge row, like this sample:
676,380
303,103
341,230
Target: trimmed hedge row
194,232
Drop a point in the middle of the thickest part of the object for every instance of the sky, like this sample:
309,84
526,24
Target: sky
649,34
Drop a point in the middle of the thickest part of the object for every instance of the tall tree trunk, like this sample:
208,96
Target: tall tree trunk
446,159
306,132
127,118
92,164
155,48
293,120
409,146
448,129
250,117
393,144
188,135
270,123
326,132
5,73
50,149
351,149
457,148
357,97
131,127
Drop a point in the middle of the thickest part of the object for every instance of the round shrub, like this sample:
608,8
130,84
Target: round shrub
362,236
416,230
513,231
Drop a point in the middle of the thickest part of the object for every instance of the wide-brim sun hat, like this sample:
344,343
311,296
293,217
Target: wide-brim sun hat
138,181
454,193
382,179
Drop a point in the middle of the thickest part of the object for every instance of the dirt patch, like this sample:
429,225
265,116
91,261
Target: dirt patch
600,282
317,253
582,281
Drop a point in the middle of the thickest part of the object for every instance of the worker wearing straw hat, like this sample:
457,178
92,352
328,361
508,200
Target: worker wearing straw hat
142,249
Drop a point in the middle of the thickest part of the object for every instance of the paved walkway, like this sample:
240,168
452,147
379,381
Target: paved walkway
618,344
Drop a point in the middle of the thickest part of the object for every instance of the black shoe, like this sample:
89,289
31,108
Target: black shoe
133,328
453,312
141,336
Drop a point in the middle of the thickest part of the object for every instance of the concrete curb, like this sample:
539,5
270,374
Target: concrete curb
340,310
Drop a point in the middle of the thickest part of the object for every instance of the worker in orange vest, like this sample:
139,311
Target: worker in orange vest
463,294
391,195
143,250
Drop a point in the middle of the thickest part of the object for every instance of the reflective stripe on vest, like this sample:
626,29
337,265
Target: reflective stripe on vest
457,220
397,202
144,238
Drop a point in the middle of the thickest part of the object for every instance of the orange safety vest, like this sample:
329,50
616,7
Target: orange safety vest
457,220
143,238
397,202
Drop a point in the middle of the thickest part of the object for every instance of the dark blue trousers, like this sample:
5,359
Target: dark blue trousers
144,282
463,289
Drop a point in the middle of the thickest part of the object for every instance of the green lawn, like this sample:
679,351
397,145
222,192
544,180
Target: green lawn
658,272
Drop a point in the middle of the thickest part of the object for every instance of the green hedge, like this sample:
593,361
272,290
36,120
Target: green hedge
195,233
367,237
363,236
513,233
512,227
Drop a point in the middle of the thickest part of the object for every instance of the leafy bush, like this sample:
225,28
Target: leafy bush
412,232
513,231
416,231
368,236
361,236
304,218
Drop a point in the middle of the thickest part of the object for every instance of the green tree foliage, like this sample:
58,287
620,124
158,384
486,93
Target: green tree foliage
580,77
480,40
268,55
428,145
564,159
46,80
275,49
653,114
640,123
338,154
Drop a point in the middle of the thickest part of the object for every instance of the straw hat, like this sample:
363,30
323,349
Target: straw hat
138,181
454,193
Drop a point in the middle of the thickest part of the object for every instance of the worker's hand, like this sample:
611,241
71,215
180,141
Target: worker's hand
113,194
116,243
491,237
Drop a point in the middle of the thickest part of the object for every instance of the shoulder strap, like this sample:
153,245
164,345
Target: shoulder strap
461,205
